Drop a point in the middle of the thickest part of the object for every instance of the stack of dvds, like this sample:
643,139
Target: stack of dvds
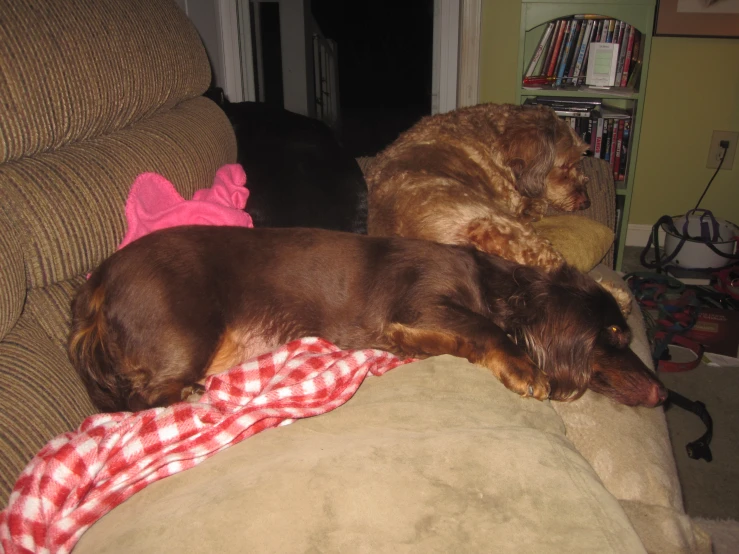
605,128
561,56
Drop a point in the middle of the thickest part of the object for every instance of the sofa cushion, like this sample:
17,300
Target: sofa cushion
434,456
42,396
70,202
75,70
630,450
583,242
12,273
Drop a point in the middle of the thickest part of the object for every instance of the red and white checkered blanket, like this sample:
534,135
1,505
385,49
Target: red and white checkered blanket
78,477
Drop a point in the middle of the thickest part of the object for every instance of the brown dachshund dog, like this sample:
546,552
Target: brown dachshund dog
480,175
169,309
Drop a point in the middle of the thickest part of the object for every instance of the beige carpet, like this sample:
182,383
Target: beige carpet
710,490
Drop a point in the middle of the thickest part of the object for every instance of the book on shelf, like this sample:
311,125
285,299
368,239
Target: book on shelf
564,53
624,150
597,142
556,46
583,48
543,43
605,146
629,52
550,49
618,150
604,128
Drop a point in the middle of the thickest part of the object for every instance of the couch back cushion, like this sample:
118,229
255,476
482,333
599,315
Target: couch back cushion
69,202
75,70
94,92
12,276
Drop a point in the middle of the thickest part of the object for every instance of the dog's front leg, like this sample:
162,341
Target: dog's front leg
513,240
487,346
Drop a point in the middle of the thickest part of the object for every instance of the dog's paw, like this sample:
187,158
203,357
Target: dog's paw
192,393
523,377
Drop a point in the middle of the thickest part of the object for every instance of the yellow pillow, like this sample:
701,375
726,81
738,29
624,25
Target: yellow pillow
582,241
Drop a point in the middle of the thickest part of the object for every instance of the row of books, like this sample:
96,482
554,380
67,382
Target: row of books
561,56
605,128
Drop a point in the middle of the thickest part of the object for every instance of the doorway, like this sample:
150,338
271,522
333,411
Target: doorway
385,61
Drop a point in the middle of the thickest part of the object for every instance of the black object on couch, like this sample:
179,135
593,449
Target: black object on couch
298,174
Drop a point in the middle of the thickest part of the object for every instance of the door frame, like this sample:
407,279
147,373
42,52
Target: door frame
456,52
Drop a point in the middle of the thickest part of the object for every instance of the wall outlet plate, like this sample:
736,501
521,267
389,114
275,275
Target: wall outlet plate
714,152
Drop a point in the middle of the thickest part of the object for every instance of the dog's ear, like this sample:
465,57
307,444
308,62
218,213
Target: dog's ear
531,139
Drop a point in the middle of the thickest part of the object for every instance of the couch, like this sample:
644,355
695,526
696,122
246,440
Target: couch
433,456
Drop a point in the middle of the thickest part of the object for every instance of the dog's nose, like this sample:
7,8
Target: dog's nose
584,205
657,396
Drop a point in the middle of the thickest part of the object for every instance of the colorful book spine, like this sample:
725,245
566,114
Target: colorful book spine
580,63
624,150
605,145
598,138
611,28
629,52
614,141
599,31
622,49
540,49
576,48
550,47
588,138
617,156
557,48
566,52
562,46
636,61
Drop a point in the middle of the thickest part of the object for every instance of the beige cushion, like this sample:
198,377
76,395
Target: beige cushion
630,450
583,242
435,456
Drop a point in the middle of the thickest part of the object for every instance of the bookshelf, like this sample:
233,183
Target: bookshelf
535,17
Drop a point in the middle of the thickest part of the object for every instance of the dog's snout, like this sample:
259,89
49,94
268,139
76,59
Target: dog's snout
657,396
584,204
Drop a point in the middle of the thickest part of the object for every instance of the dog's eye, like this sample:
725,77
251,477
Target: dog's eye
614,329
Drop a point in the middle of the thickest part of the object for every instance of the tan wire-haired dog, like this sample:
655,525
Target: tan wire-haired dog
480,176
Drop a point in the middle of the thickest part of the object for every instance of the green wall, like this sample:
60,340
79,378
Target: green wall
692,90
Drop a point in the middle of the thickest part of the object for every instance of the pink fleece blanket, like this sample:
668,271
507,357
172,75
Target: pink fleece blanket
153,203
78,477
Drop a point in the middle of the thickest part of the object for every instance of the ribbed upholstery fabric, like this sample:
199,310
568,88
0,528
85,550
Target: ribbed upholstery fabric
92,93
74,69
41,398
69,201
12,274
49,307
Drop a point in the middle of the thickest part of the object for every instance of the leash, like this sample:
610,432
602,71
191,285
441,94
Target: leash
675,316
700,448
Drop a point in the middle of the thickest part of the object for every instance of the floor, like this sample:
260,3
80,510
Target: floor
631,261
710,490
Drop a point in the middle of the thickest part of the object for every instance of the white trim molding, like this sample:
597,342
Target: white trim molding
445,56
227,12
638,234
468,88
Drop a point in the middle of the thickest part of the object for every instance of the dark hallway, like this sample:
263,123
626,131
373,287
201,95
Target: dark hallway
385,64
